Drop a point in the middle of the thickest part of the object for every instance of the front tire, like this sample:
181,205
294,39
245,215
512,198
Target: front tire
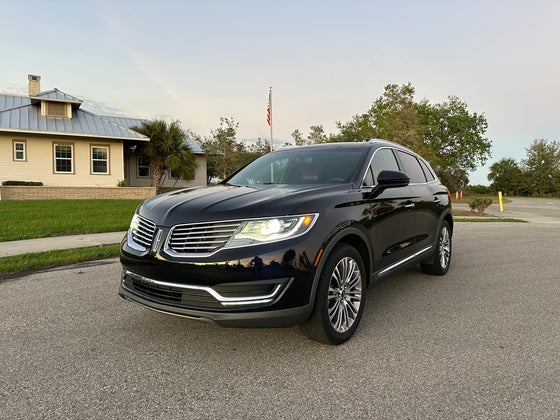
439,264
340,297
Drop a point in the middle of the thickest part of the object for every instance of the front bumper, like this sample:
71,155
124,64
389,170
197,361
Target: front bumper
261,286
144,292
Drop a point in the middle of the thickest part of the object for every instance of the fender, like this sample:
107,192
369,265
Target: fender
331,241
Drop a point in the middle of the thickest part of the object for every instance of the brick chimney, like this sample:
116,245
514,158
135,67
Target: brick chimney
34,84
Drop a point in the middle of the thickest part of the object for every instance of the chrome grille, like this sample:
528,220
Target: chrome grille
201,238
143,233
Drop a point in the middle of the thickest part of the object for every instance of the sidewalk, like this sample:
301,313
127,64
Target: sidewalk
11,248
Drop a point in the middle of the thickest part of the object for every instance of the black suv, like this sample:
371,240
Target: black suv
295,237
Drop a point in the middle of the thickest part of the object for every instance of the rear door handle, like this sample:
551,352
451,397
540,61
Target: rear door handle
437,199
409,205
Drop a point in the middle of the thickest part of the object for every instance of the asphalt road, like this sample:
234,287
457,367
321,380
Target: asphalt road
540,210
481,342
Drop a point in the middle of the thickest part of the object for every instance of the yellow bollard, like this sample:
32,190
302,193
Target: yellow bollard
500,200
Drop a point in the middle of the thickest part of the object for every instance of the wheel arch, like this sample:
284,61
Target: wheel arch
353,237
448,217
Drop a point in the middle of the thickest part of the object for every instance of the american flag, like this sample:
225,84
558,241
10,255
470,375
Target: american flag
268,107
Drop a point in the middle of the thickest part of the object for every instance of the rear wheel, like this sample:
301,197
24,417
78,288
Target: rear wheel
340,297
439,264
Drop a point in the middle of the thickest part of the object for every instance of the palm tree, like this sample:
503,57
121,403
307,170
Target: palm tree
166,150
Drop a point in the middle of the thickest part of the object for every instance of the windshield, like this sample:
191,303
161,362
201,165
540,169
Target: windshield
301,166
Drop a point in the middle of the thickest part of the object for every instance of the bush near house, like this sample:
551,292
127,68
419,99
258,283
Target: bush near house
22,183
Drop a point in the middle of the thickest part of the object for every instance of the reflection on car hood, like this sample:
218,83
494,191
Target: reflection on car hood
225,202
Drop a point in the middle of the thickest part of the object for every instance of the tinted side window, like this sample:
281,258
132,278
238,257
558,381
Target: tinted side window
427,171
383,160
412,168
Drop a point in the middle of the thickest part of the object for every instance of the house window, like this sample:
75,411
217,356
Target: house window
99,159
63,158
143,167
19,150
174,174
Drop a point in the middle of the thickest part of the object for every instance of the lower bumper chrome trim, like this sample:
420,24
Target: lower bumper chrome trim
224,300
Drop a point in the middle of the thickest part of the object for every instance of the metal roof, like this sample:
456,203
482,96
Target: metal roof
20,113
56,95
28,119
13,101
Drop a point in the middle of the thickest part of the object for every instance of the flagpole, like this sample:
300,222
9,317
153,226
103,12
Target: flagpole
270,111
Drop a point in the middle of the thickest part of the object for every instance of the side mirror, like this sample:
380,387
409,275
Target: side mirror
392,179
389,179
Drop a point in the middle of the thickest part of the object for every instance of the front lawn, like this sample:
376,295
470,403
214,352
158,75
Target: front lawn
48,259
43,218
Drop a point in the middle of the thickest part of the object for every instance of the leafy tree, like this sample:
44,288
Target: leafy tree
166,150
454,178
393,116
316,135
542,166
446,134
506,176
453,135
299,140
182,165
359,129
222,150
252,151
225,154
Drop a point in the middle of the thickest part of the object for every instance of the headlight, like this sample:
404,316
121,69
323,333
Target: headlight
253,232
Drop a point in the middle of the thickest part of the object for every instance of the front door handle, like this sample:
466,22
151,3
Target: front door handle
409,205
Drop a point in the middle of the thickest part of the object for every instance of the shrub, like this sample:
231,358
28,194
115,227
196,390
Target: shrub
480,204
121,183
23,183
479,189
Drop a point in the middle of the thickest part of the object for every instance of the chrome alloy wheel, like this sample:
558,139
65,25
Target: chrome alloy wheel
345,294
444,247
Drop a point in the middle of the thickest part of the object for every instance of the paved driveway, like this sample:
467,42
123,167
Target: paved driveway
481,342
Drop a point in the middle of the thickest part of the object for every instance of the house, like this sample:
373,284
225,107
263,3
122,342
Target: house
50,137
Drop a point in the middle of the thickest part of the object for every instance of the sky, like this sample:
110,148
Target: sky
326,60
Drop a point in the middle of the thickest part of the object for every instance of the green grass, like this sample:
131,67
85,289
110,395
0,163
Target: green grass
49,259
44,218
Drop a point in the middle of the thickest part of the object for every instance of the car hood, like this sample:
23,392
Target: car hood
226,202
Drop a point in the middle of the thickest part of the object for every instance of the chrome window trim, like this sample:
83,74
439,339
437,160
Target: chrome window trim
371,160
396,158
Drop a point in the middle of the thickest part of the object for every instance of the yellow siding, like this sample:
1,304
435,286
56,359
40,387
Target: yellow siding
39,165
